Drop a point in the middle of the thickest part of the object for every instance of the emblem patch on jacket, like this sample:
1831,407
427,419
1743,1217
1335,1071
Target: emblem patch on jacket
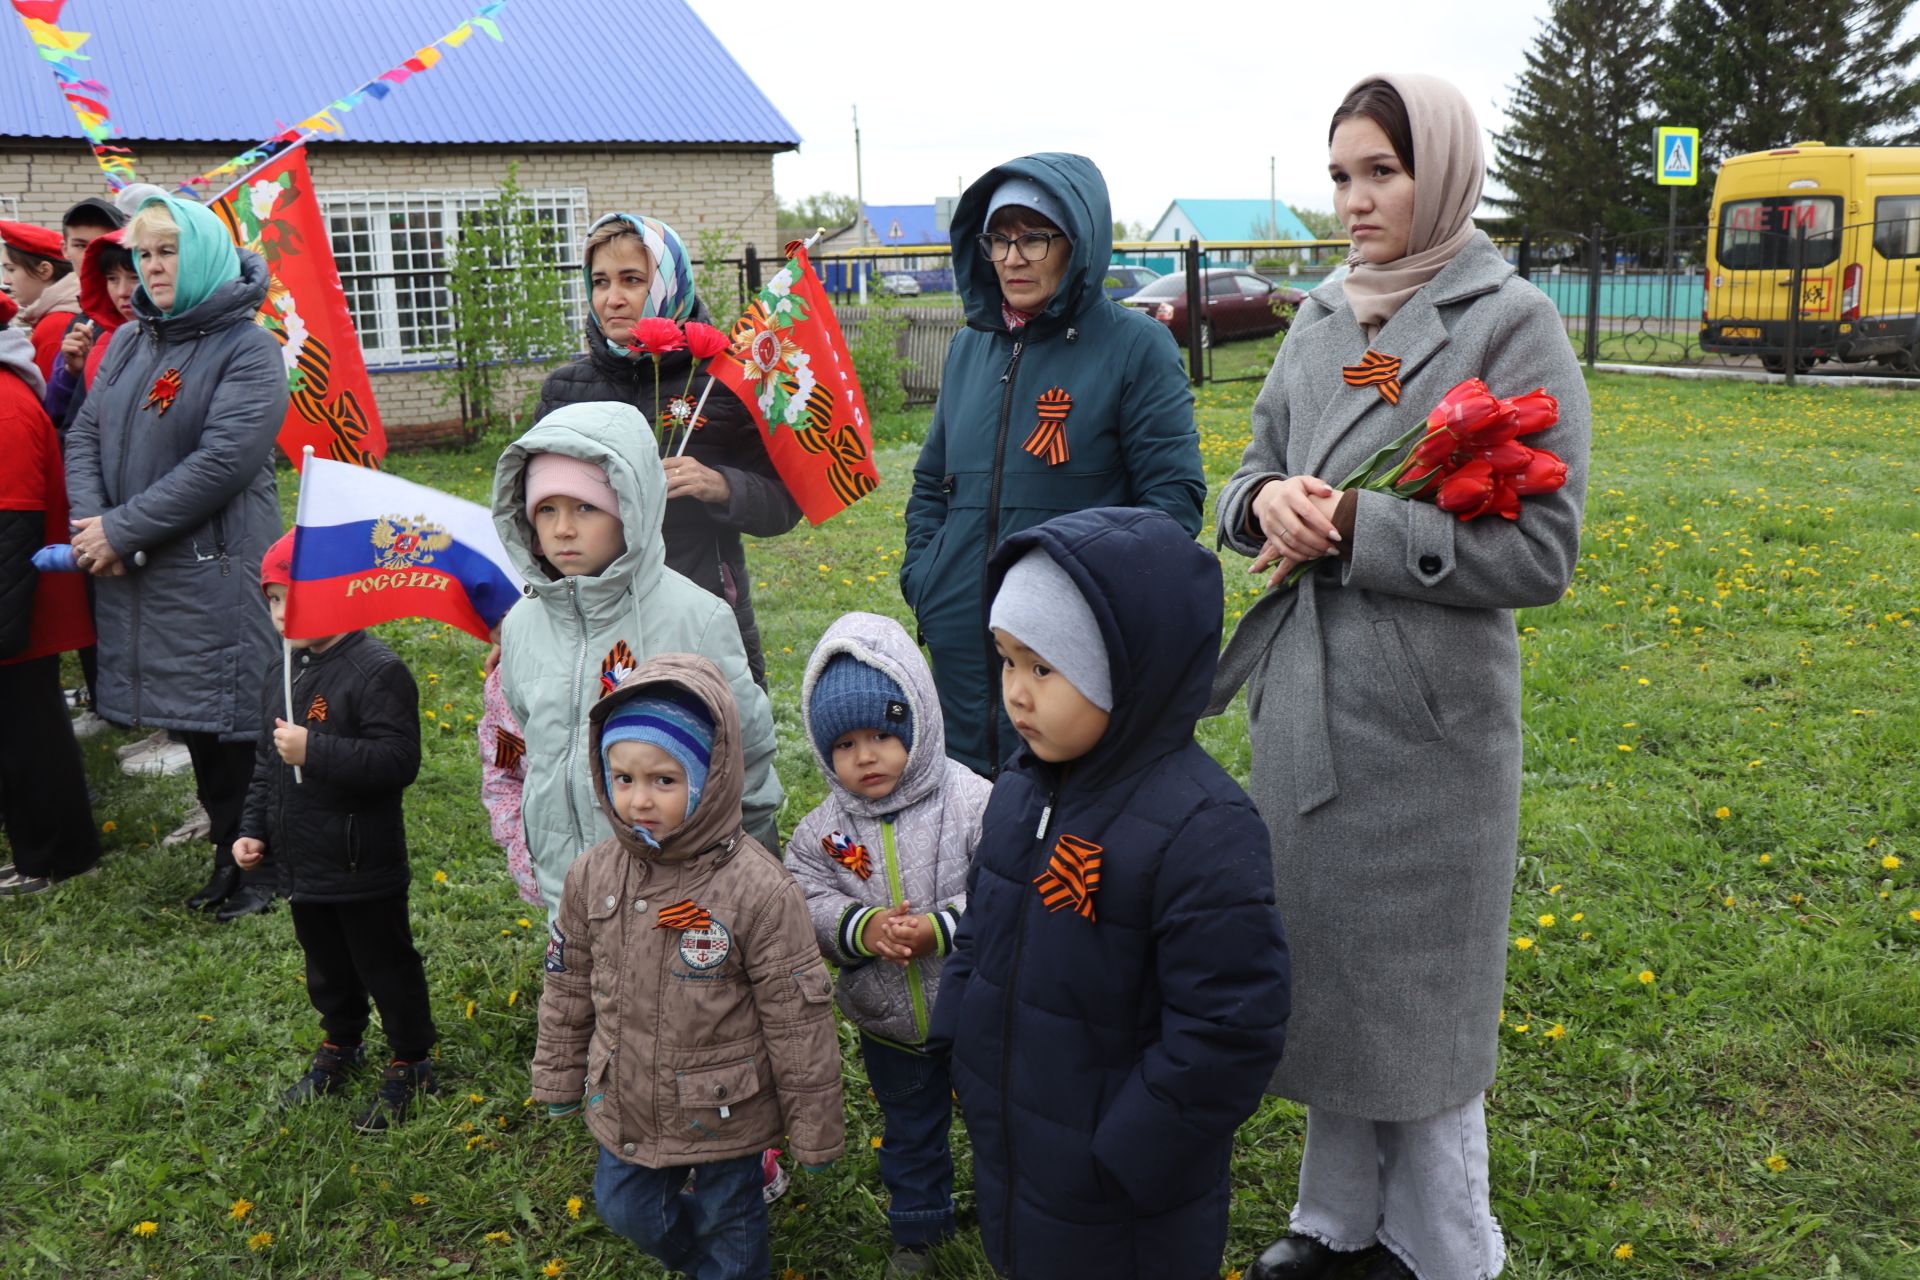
508,748
843,850
1049,440
680,411
165,388
1072,876
685,914
556,950
317,709
1378,370
615,667
706,947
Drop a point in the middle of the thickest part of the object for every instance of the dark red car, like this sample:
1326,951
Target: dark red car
1237,304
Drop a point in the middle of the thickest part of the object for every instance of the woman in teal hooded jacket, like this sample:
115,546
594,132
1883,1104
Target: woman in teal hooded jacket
1048,404
170,480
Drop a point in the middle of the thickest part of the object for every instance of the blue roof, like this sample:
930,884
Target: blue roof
236,70
914,222
1240,219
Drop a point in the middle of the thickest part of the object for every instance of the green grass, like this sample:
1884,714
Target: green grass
1743,621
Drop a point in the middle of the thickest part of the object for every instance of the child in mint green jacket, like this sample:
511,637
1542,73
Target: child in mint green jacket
883,861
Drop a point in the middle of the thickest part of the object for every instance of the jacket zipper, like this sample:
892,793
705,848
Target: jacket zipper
993,540
353,844
120,487
573,723
1006,1021
916,987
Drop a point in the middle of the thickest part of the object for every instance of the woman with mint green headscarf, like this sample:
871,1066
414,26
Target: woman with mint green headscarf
722,484
170,480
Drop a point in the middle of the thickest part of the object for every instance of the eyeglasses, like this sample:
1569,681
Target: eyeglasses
1034,245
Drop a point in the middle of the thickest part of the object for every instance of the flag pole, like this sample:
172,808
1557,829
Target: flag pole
686,437
286,645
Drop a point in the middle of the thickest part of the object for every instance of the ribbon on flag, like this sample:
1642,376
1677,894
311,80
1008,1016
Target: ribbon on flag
60,49
325,120
789,364
331,405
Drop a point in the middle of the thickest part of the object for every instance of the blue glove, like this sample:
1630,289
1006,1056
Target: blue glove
557,1109
56,558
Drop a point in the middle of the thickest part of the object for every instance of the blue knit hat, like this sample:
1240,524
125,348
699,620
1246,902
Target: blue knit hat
677,723
849,695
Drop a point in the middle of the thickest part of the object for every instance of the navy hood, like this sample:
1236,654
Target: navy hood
1077,184
1156,595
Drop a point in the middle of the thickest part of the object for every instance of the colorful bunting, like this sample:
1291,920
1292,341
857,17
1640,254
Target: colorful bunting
61,50
324,120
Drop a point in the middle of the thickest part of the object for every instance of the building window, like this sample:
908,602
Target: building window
391,251
10,208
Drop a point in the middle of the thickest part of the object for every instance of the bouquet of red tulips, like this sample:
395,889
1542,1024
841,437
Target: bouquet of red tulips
1466,456
655,337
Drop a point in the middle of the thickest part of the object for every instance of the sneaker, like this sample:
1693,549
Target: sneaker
328,1074
775,1184
19,886
87,724
163,762
152,742
195,826
393,1101
908,1261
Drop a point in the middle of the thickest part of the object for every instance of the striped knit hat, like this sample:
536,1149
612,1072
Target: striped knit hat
674,721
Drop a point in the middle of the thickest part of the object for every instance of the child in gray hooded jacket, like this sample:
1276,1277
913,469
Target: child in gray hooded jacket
883,862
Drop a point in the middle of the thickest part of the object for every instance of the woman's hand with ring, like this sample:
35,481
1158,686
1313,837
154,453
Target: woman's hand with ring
92,551
1296,516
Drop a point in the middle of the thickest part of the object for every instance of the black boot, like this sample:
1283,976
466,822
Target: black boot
247,900
1294,1258
218,888
332,1064
1388,1267
400,1084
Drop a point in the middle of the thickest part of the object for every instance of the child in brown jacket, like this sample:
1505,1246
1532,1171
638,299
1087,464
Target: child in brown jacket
707,1033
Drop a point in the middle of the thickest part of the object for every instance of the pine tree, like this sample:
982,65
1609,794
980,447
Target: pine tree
1753,75
1578,153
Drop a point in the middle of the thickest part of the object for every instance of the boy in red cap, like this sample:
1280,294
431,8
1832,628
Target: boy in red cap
33,261
339,841
43,785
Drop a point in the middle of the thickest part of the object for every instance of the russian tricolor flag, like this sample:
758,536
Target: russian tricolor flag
371,547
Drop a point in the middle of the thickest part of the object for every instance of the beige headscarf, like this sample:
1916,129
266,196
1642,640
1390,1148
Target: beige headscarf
1448,165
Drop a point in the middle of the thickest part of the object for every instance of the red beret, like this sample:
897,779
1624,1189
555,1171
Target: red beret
8,308
28,238
277,565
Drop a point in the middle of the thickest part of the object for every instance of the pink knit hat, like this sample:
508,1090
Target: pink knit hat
559,474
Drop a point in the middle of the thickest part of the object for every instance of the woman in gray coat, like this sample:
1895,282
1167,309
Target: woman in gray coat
170,478
1383,694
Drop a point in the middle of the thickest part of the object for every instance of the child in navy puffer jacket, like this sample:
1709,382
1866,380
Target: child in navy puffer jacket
1118,994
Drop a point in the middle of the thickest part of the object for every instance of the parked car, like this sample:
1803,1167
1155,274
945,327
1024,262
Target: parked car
1236,304
899,284
1124,282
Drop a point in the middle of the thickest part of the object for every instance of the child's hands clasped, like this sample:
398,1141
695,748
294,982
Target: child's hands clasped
898,935
247,852
290,740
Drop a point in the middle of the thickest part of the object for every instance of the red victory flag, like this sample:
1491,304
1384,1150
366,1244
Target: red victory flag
273,212
790,366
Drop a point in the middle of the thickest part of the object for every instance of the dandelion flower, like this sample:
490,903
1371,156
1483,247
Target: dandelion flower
1553,889
875,1142
553,1268
1625,747
476,1097
1765,858
1548,921
513,998
419,1197
240,1209
145,1228
1777,1162
260,1240
524,923
439,877
1578,916
1523,944
1623,1251
1723,813
574,1204
1555,1032
109,827
498,1237
1890,863
1646,976
470,1008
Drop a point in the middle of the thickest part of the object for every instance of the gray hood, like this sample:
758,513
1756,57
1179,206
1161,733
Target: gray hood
883,644
16,353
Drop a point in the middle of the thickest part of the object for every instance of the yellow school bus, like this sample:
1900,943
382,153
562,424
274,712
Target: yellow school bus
1852,216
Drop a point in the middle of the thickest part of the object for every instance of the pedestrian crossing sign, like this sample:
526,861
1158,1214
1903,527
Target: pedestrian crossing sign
1676,156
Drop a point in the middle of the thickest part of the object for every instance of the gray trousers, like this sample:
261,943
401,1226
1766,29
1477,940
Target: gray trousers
1419,1187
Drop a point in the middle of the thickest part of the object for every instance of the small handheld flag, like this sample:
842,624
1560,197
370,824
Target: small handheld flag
372,547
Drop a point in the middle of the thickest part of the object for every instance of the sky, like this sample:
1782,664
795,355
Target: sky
1189,105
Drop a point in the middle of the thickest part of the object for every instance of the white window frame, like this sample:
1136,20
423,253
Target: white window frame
390,273
10,208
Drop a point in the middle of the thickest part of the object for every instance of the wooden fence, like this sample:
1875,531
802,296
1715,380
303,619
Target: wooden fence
922,344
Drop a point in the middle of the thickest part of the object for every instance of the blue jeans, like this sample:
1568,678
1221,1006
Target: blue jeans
716,1231
916,1099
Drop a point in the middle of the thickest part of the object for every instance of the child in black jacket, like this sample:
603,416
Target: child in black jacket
339,839
1117,996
